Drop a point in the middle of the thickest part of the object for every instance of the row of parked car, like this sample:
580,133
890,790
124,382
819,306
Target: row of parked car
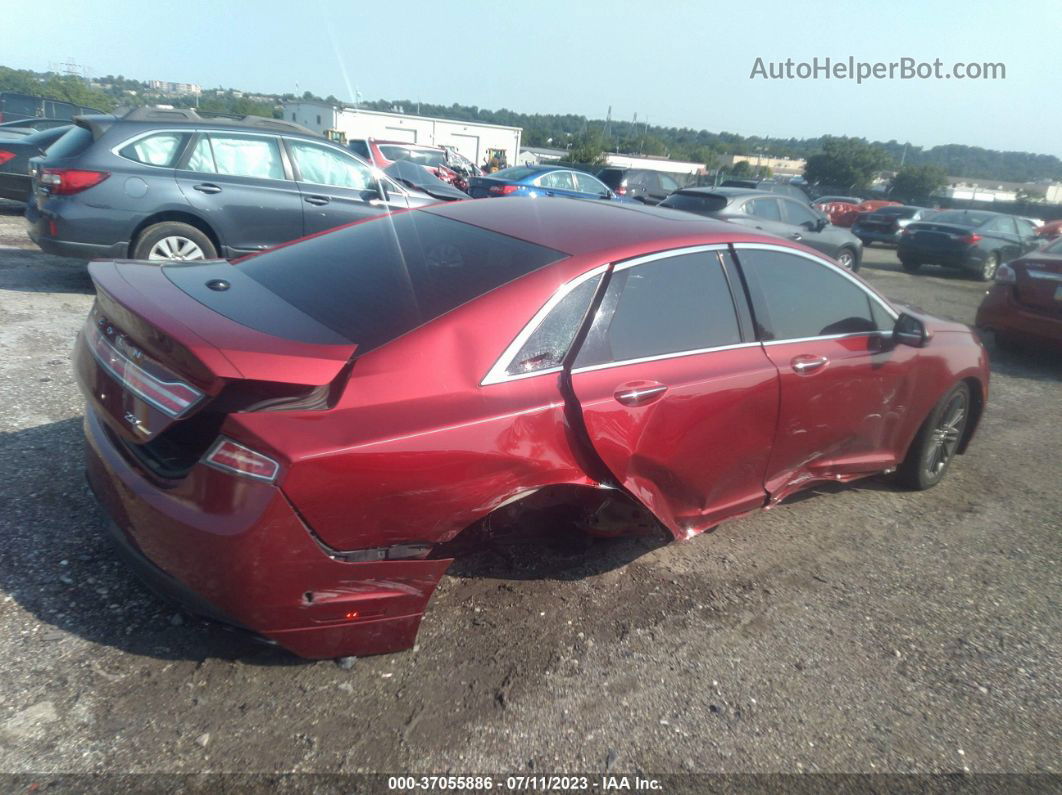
170,184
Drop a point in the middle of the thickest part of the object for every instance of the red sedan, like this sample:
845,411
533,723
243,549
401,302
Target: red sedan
295,443
1024,306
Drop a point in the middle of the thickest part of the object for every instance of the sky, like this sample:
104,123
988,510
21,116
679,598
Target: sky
677,63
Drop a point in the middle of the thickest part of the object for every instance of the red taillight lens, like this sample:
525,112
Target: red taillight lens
234,457
5,156
621,190
173,398
970,239
64,181
503,190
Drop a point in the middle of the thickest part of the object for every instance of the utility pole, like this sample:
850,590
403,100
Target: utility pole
608,123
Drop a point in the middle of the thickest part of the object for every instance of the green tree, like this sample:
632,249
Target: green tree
588,147
917,182
741,169
846,164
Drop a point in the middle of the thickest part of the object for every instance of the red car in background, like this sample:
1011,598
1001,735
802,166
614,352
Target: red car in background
845,213
1050,231
435,159
297,442
1024,305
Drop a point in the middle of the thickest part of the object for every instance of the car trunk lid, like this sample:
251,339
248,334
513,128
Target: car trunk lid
163,368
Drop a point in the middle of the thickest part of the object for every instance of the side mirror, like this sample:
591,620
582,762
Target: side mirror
910,331
607,195
821,223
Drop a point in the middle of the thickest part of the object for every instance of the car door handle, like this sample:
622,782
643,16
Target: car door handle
639,393
207,187
807,363
549,193
317,201
796,236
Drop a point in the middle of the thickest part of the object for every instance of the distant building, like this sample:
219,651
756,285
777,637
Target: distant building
535,155
475,140
1053,193
783,166
174,88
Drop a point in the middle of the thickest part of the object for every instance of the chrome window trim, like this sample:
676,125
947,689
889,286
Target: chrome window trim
662,356
671,252
826,264
498,373
826,337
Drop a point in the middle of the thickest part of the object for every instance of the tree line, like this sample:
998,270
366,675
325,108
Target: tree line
587,138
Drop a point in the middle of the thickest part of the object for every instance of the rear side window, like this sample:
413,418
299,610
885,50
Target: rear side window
376,280
764,208
611,176
76,141
796,297
161,149
549,342
670,305
695,202
238,156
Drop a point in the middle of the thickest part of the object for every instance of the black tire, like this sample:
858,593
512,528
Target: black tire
988,269
934,445
158,238
910,266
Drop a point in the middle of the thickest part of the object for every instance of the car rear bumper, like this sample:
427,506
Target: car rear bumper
968,258
1001,312
249,561
875,235
15,187
51,232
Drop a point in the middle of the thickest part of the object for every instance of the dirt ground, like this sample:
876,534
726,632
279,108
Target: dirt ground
851,629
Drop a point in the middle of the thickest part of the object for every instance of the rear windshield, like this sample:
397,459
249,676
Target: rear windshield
514,174
899,212
962,217
424,157
703,203
374,281
611,176
74,142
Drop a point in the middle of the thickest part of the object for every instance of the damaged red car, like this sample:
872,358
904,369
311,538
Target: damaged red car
296,442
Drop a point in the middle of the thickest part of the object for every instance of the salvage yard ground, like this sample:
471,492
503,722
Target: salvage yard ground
858,628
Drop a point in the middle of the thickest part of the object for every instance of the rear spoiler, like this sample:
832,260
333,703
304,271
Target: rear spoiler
96,124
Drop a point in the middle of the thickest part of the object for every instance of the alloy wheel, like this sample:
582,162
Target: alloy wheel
176,248
845,259
944,438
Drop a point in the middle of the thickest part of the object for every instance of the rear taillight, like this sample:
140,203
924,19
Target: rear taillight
5,156
173,398
906,232
971,239
234,457
621,190
1005,275
65,181
503,190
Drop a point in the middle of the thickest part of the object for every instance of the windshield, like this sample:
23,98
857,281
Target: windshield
374,281
514,174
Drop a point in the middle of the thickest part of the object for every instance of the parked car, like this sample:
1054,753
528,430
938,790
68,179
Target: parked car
15,154
171,184
641,184
435,159
541,181
790,189
1024,306
974,241
298,442
821,200
775,215
26,126
845,214
1050,230
885,224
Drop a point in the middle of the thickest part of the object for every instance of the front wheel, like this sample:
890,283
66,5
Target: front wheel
846,258
937,440
172,241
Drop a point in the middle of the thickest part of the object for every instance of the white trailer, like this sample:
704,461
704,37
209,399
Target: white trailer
472,139
654,164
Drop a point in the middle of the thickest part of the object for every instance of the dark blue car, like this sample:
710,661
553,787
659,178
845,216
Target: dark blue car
536,181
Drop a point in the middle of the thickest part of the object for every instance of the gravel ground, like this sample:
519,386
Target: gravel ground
851,629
